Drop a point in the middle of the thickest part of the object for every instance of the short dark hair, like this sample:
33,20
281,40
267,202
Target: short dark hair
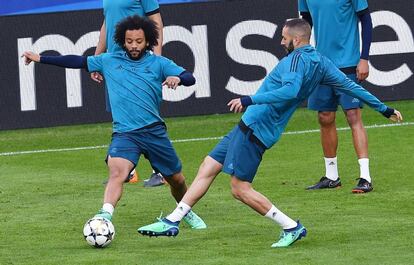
299,26
134,23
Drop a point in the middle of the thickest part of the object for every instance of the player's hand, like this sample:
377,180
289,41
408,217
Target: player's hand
396,117
172,82
235,105
30,57
97,77
362,70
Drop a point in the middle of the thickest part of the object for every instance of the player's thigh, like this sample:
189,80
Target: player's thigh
348,102
323,99
219,152
123,145
119,167
160,152
243,156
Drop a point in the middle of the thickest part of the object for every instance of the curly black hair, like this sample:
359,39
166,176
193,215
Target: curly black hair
134,23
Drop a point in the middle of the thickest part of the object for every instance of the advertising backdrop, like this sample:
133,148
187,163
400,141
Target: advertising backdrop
229,45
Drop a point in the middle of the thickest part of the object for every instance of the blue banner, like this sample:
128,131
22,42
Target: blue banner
20,7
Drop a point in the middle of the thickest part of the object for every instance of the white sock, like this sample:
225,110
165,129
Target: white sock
364,169
331,168
279,217
109,208
179,212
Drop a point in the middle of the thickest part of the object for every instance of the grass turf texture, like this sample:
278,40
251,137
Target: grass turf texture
46,198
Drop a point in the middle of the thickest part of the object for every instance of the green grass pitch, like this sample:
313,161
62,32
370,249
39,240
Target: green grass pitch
45,198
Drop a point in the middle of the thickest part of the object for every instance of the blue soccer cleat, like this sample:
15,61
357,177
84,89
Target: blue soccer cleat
290,236
163,227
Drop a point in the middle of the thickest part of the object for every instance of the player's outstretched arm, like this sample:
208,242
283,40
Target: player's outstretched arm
66,61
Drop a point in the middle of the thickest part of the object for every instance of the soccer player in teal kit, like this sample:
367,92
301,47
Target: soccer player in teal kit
335,24
240,152
134,78
114,11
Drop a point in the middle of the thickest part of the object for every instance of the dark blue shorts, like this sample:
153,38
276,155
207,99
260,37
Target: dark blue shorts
153,143
325,98
239,155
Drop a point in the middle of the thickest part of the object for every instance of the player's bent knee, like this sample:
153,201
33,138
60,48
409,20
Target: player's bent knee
239,189
353,117
176,180
326,118
209,168
237,194
117,174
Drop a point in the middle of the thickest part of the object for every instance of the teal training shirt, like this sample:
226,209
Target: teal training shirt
134,87
335,24
289,84
116,10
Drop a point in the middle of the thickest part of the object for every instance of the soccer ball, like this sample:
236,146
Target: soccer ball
98,232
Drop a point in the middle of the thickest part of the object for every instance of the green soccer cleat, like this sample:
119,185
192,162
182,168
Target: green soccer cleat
163,227
104,214
194,221
290,236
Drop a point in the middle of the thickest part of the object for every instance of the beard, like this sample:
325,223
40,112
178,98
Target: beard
135,54
289,48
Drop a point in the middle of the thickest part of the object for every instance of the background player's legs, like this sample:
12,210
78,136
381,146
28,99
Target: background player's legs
329,136
329,141
325,101
360,140
155,179
133,176
359,136
352,108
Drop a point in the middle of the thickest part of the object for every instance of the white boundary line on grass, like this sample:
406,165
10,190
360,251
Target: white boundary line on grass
193,140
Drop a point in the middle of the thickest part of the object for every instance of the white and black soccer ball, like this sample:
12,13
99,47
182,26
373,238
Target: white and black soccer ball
99,232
